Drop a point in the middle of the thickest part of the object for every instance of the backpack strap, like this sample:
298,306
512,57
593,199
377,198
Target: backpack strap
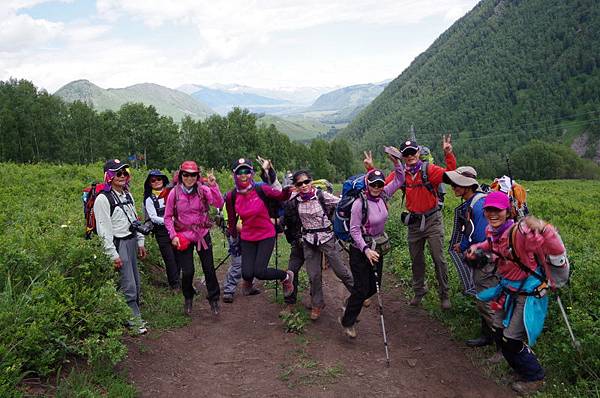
515,258
321,198
425,178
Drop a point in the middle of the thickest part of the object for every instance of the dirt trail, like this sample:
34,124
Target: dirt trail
244,352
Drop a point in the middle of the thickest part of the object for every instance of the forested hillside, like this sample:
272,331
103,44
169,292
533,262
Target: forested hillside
166,101
38,127
503,75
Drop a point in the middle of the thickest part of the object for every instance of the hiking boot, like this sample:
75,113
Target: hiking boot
315,313
367,303
187,306
349,331
227,298
416,301
214,307
445,304
248,289
527,387
496,358
480,341
288,284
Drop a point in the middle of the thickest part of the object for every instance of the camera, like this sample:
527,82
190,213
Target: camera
138,226
481,259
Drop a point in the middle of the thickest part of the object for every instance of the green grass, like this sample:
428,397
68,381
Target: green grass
572,206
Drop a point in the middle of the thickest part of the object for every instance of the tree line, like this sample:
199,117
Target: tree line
39,127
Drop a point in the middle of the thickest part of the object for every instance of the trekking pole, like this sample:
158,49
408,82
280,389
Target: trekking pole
576,344
223,261
385,342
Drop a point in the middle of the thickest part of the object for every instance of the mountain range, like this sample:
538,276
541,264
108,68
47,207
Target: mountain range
168,102
506,73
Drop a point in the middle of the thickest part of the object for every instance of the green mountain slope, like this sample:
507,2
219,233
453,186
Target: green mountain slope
298,128
504,74
167,102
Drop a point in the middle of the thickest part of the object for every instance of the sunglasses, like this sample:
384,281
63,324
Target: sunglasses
243,171
377,184
122,173
305,182
193,175
409,152
155,179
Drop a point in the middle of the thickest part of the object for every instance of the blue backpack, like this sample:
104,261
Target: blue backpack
352,189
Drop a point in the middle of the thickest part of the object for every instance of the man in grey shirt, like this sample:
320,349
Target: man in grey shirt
115,214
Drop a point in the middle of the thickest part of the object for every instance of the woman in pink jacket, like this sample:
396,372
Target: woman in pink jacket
249,201
522,252
188,224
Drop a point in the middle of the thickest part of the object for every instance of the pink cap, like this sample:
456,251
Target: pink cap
183,243
498,200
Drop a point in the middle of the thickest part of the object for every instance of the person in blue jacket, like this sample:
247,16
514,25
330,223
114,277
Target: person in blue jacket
473,223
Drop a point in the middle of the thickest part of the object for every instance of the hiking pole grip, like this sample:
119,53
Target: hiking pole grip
575,342
385,342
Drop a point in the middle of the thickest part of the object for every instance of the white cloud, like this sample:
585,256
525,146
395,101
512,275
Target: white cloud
227,29
21,31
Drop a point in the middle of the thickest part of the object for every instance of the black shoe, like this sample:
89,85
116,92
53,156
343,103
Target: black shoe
480,341
187,307
228,298
214,307
253,291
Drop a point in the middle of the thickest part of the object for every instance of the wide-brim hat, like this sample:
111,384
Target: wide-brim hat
464,176
189,166
114,165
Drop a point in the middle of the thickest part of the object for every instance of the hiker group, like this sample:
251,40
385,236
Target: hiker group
504,259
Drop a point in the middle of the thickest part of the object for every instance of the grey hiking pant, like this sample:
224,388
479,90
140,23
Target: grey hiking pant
294,264
234,273
433,234
312,258
483,279
129,281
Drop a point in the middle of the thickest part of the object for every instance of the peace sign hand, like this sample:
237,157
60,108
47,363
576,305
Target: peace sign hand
447,143
264,163
210,178
368,160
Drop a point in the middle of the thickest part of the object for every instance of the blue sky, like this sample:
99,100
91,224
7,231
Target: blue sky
260,43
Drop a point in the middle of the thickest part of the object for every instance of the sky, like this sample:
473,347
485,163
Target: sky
258,43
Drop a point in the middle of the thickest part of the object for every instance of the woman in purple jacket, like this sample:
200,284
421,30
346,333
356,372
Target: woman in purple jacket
369,239
186,219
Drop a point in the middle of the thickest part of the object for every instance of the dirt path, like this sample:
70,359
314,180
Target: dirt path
244,352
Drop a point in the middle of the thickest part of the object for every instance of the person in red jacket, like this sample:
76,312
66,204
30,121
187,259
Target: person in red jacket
424,218
250,202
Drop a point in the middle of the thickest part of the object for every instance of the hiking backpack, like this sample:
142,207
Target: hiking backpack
555,270
440,194
89,196
352,189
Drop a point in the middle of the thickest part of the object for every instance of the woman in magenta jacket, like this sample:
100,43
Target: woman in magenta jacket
249,202
186,219
522,252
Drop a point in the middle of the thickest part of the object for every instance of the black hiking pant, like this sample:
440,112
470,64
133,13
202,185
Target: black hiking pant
255,259
185,259
364,284
167,252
